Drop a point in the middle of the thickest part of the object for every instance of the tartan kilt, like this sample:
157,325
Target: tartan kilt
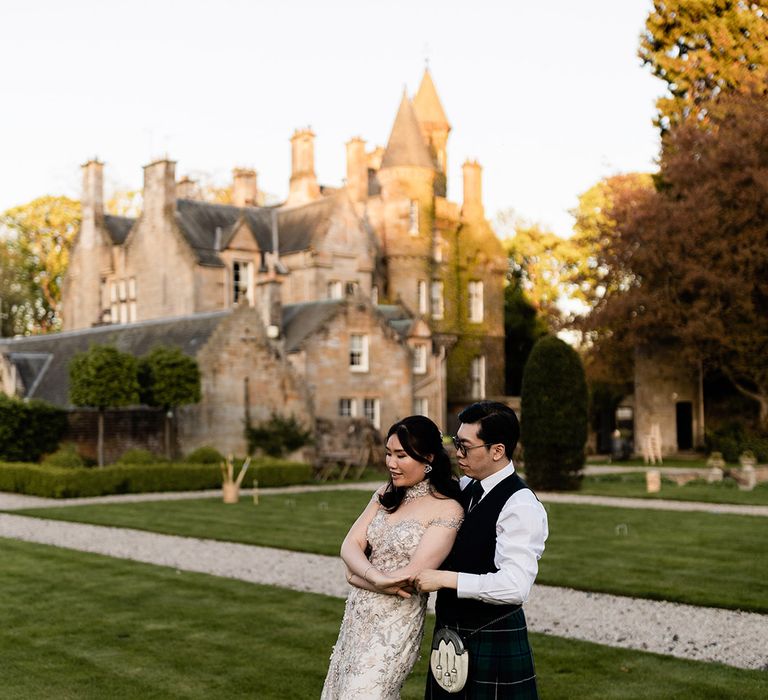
500,662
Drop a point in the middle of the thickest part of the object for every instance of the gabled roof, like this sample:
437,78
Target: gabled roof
300,321
43,360
406,143
297,227
198,222
303,320
118,227
427,104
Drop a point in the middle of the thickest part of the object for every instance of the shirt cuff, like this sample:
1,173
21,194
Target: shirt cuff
468,585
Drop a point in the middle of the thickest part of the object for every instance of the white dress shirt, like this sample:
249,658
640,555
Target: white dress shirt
521,531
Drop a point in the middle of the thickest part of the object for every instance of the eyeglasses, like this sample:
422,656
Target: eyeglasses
462,449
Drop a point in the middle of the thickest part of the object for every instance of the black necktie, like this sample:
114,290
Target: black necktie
475,494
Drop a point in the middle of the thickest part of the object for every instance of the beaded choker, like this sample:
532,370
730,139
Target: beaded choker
417,491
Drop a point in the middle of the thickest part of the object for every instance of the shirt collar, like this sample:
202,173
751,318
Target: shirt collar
497,477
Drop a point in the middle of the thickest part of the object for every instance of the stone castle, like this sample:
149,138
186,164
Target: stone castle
375,299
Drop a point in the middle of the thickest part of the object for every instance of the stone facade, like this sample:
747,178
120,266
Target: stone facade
423,278
667,394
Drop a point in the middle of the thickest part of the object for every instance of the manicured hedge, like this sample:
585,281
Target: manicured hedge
58,482
29,429
278,472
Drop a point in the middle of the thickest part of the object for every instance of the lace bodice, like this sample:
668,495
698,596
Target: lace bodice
393,539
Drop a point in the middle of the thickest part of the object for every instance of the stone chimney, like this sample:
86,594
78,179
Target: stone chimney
472,207
357,170
270,303
304,186
186,188
244,187
160,189
93,190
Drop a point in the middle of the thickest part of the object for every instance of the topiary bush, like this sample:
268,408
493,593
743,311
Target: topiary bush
204,455
139,456
553,416
29,429
66,456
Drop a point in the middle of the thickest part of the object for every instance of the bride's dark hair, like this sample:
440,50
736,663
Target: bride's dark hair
420,437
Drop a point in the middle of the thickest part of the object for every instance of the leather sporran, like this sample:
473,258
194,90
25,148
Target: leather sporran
449,660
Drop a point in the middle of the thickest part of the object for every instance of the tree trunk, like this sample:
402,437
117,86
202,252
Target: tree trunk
763,400
100,441
168,416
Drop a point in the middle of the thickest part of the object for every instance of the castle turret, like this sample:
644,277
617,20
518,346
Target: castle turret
303,187
406,166
245,190
434,125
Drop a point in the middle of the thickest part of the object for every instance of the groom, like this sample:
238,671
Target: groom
494,561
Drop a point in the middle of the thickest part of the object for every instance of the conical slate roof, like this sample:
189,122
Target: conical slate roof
406,144
427,103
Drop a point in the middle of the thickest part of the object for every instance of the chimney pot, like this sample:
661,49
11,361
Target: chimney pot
357,170
160,188
245,190
303,184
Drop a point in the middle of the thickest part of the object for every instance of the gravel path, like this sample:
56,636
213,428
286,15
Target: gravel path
668,628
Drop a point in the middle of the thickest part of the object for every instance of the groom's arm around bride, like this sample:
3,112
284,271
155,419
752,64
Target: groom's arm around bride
491,568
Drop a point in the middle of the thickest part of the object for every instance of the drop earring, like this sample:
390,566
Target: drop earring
427,468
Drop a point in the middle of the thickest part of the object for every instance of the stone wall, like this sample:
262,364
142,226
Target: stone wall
389,375
124,429
243,378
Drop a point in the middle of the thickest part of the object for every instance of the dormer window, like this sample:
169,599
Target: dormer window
413,218
242,282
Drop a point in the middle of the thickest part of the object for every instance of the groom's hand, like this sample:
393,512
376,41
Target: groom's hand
433,580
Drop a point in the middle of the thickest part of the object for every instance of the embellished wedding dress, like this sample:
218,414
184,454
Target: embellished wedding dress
381,634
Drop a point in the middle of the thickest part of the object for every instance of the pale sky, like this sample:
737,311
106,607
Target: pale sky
548,96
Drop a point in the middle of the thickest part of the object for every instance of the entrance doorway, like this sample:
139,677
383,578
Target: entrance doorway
684,425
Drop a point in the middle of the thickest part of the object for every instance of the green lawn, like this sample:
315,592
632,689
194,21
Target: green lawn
698,558
78,626
632,485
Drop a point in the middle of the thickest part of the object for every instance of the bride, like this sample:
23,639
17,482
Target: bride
409,525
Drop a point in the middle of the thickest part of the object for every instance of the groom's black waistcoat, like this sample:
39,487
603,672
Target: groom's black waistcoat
473,553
